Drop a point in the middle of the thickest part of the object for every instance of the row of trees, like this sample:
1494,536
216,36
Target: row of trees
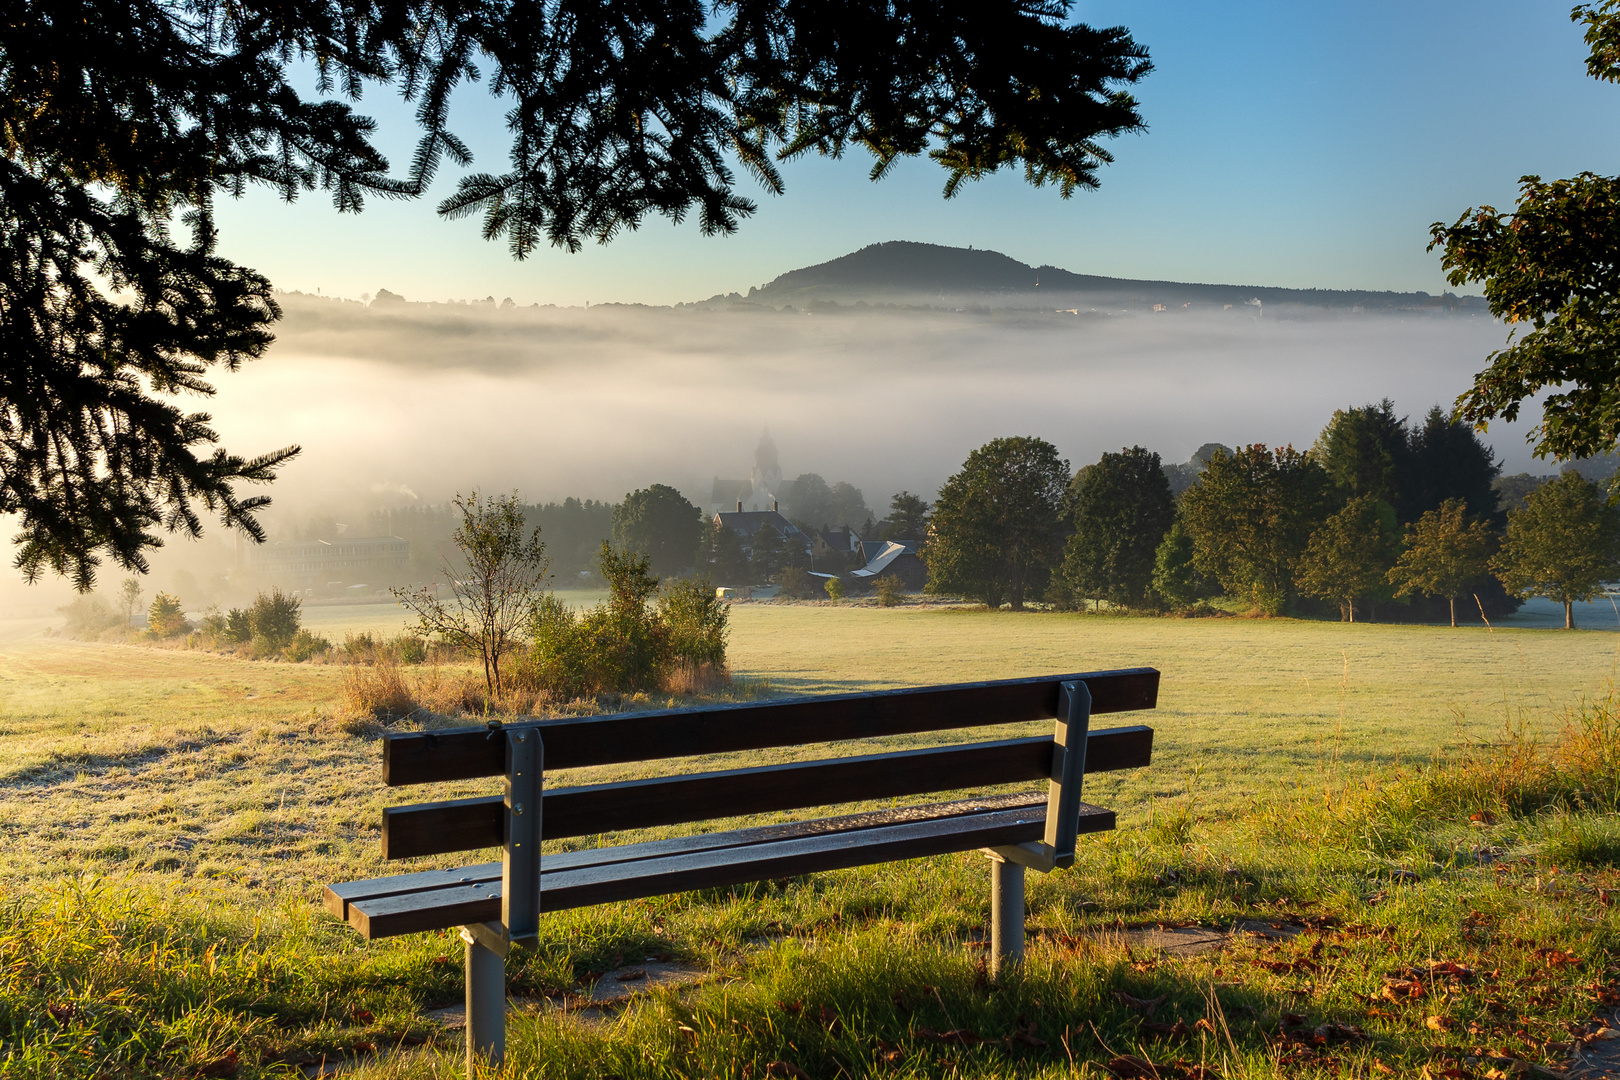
1376,512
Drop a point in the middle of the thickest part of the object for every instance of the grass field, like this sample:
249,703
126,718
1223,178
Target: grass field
192,805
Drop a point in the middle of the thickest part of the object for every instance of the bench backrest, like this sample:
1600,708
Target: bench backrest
470,824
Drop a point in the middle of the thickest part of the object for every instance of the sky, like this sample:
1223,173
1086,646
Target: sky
1288,144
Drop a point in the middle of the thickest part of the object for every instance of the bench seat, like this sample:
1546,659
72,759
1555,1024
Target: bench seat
440,899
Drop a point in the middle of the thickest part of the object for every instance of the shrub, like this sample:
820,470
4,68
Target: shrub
696,623
795,583
166,618
558,660
238,626
409,648
274,621
88,617
359,648
305,646
835,589
890,590
213,624
624,645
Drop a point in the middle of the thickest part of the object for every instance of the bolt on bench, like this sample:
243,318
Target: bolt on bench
498,904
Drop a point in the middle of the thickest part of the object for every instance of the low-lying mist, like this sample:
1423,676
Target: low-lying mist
436,398
401,402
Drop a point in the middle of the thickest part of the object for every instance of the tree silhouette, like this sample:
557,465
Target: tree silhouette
1122,511
1251,515
660,523
1562,544
1553,263
1349,554
1444,552
996,533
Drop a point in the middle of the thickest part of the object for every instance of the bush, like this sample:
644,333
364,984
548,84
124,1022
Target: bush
623,645
795,583
890,590
165,618
835,589
359,648
696,623
88,617
409,648
274,621
305,646
238,626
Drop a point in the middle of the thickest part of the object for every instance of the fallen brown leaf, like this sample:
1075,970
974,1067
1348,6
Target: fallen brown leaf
1024,1033
787,1069
1129,1066
954,1037
1146,1006
222,1066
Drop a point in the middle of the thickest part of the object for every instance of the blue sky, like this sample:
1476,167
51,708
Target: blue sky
1288,144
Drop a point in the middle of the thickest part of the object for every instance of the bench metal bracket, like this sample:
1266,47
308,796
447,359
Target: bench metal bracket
491,936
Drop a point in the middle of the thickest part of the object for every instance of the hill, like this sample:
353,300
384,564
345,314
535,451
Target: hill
907,273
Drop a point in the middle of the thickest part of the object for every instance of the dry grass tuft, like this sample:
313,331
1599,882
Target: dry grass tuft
377,690
696,680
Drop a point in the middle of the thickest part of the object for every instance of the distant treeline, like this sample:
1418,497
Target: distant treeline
573,531
1379,518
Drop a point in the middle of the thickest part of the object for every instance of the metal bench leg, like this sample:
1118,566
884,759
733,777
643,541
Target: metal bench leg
486,1006
1006,913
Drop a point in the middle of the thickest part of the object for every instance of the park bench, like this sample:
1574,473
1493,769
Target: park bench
499,904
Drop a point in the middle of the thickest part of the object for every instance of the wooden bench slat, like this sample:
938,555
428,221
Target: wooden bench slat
462,754
338,897
714,868
470,824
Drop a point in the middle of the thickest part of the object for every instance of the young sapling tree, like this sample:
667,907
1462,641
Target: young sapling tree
495,594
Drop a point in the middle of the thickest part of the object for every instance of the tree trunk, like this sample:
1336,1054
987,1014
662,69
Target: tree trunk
1569,615
1453,601
1350,606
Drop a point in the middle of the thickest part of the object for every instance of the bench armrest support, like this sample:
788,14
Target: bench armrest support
1056,849
1068,771
520,851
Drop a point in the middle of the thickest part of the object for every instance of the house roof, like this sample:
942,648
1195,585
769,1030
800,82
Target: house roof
840,538
748,522
892,550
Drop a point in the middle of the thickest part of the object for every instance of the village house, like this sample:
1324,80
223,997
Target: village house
747,523
891,559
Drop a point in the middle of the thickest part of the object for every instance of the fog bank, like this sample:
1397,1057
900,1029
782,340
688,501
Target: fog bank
399,403
425,400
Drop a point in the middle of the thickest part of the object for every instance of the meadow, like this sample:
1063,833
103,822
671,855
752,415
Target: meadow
167,819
